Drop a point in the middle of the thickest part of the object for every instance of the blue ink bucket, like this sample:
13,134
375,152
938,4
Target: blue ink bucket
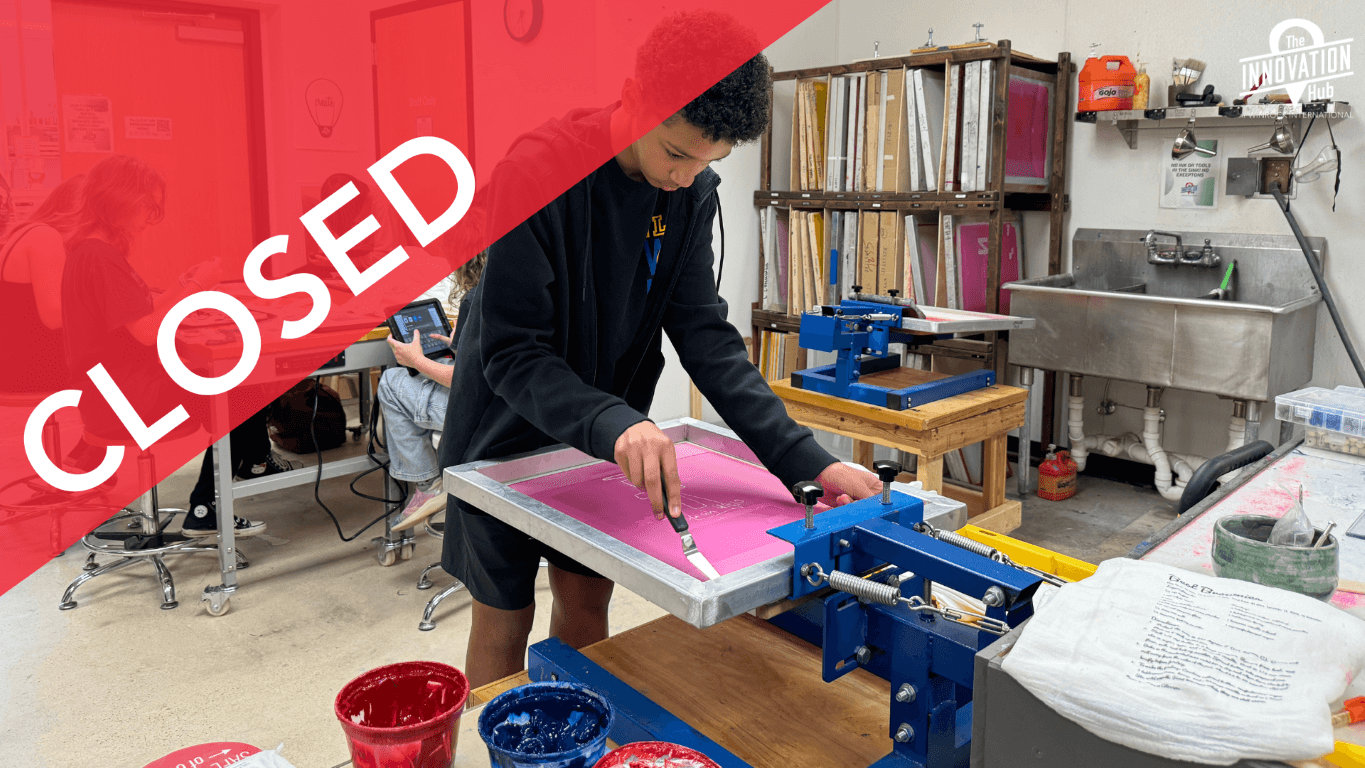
547,725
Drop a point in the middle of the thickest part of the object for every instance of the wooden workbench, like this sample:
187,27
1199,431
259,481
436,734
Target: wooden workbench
984,416
748,686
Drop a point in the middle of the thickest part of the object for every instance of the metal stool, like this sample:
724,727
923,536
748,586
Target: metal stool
436,529
141,535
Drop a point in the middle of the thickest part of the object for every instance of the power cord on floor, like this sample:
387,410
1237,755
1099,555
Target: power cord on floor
369,450
378,465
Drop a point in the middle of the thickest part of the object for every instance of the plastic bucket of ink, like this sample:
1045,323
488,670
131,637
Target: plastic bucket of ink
655,754
404,715
547,725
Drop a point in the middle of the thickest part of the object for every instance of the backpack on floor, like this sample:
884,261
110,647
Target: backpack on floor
292,424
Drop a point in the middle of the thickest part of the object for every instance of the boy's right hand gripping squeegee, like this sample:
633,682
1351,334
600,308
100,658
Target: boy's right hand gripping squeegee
690,551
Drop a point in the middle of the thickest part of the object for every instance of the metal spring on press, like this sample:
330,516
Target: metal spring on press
961,542
864,589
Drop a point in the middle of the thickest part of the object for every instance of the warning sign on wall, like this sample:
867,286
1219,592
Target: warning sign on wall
147,128
88,123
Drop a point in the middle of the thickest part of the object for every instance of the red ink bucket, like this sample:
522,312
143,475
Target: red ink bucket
655,753
403,715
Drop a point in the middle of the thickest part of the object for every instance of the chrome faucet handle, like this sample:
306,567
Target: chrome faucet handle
1164,257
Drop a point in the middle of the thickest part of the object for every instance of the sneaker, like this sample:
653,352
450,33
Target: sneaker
421,505
202,520
273,465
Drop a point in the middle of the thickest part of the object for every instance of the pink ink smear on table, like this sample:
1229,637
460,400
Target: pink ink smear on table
729,505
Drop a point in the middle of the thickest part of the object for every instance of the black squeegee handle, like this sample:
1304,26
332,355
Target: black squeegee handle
679,522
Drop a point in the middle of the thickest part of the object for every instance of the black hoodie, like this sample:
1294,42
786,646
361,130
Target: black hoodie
530,375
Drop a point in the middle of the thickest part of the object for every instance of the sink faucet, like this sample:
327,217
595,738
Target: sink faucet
1204,257
1163,257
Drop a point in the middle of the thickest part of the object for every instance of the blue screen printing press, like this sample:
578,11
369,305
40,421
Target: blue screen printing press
857,579
861,330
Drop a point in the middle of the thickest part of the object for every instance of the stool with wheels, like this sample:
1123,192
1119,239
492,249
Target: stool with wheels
436,529
135,536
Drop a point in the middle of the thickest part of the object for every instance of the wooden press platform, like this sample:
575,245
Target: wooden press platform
748,686
984,416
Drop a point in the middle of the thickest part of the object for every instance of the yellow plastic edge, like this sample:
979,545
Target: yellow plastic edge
1023,553
1347,755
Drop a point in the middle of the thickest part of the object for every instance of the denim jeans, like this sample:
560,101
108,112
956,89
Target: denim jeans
414,409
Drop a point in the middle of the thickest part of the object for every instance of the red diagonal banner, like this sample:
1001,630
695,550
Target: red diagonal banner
155,296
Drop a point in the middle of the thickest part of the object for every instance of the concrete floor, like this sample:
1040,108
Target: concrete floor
1105,519
118,682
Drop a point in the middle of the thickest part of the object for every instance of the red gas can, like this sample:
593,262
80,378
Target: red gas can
1056,475
1106,82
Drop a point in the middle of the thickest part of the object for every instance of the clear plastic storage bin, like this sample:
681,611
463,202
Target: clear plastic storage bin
1333,419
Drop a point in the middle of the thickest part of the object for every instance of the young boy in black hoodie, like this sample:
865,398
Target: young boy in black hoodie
561,342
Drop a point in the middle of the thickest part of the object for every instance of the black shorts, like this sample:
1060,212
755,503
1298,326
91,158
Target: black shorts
497,563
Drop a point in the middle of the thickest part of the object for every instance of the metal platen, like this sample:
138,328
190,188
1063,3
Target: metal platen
861,331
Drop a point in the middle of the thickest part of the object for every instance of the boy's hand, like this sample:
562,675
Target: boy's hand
646,456
408,354
844,484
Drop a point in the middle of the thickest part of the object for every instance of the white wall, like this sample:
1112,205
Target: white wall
1111,185
809,44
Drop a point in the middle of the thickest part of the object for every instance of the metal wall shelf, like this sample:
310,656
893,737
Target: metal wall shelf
1130,121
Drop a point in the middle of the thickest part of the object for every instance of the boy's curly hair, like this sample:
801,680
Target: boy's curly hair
734,110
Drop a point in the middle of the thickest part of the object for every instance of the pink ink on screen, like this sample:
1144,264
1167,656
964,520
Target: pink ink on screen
1026,147
972,245
729,504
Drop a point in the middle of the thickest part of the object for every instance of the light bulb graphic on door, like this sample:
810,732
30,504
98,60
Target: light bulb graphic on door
324,101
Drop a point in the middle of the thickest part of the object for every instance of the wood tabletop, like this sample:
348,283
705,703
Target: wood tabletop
928,416
749,686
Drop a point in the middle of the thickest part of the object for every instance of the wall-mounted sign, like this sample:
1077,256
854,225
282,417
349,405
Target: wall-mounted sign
1301,62
89,122
158,128
1191,182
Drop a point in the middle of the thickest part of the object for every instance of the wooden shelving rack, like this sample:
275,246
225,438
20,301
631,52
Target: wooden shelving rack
992,202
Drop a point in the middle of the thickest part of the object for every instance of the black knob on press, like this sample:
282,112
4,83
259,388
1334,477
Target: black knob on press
807,492
893,292
857,289
886,472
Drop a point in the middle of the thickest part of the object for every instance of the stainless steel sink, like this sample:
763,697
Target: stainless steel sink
1120,317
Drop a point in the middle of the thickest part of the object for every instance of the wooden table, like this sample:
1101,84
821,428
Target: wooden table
745,684
984,416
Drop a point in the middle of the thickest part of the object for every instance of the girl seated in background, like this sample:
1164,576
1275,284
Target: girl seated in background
414,409
32,259
110,314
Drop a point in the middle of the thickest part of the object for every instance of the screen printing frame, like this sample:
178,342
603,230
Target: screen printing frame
486,485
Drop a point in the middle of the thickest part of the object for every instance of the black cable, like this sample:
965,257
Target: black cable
1336,190
1322,281
369,451
317,482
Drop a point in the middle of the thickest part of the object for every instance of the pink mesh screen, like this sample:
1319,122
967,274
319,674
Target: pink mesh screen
729,504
